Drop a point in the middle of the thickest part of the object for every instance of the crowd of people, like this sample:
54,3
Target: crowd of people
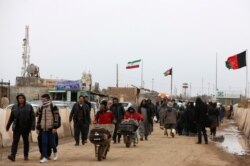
188,118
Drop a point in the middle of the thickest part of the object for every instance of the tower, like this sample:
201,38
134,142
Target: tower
185,87
26,52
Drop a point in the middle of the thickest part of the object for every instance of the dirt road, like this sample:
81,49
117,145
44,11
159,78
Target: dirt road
158,150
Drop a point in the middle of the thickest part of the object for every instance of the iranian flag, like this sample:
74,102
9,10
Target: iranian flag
236,61
133,64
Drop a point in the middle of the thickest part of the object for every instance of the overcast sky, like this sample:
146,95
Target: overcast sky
68,37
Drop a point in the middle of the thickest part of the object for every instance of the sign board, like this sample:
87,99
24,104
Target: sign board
69,85
230,95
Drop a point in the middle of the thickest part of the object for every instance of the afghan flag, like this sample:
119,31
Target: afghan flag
236,61
168,72
133,64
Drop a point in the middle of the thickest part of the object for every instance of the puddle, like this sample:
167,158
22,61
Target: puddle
232,140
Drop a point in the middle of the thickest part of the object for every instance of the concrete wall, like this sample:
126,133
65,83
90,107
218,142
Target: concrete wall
6,137
66,129
242,118
31,93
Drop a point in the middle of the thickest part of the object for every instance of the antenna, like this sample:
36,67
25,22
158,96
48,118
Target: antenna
26,52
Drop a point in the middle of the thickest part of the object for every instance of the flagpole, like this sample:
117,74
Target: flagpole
142,73
117,76
171,81
216,74
246,74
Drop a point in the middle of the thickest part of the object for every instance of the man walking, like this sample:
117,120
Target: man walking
118,112
80,114
200,116
23,118
48,123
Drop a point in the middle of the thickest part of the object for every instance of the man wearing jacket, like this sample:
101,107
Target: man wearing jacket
80,114
104,116
48,123
22,118
200,116
118,112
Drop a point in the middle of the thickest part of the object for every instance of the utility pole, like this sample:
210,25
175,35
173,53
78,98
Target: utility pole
117,76
152,84
190,90
208,91
202,86
216,73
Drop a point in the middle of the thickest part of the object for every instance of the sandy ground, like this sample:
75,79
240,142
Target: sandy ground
158,150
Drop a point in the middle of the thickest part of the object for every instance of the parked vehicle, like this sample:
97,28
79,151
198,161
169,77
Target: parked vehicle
126,105
94,107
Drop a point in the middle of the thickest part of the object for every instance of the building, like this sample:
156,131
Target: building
127,94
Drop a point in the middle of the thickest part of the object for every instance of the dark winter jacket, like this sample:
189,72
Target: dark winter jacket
22,118
149,113
151,108
213,114
75,114
200,111
118,111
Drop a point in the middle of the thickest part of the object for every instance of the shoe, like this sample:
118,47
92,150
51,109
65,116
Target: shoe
44,160
77,144
141,139
173,133
11,157
169,133
165,132
83,142
198,142
26,158
206,142
146,138
55,156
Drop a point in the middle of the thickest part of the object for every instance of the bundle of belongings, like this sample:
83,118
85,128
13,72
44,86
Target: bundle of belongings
129,125
99,135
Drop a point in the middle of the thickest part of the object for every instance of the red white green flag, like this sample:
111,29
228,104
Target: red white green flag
133,64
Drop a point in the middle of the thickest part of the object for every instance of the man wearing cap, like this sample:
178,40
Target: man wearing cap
22,118
104,116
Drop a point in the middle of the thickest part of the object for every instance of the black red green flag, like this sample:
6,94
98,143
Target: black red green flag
236,61
168,72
